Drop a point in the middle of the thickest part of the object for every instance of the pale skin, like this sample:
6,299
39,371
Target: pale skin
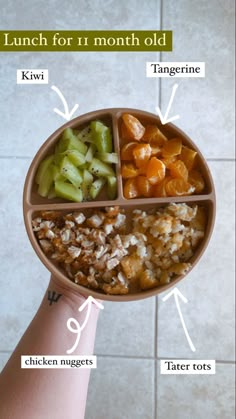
49,393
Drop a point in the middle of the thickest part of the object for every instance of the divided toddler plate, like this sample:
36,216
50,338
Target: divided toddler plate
33,203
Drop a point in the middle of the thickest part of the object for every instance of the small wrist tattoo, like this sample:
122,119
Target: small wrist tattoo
53,297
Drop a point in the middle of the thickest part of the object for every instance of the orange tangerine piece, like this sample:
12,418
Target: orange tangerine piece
127,151
188,156
154,135
124,133
155,171
156,149
128,170
178,170
172,147
144,186
142,153
196,180
130,189
134,126
160,189
178,187
143,169
168,160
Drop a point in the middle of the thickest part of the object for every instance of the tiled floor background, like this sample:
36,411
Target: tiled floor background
131,338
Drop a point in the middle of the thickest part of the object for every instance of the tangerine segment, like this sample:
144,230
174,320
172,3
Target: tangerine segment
130,189
154,135
160,189
143,169
172,147
127,151
188,156
125,134
168,160
178,170
155,171
134,126
156,150
142,153
178,187
196,180
144,186
128,170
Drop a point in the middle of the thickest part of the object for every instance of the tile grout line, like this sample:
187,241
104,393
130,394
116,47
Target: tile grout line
160,358
150,358
224,362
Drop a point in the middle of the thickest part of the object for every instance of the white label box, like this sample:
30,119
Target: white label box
58,361
32,76
175,69
187,366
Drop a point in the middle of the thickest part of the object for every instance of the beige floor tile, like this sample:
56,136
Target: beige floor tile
121,389
203,31
209,288
23,277
127,329
99,15
197,396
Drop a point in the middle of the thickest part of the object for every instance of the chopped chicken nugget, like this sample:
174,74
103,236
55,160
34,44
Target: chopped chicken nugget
112,211
112,263
74,251
95,221
79,217
46,245
80,278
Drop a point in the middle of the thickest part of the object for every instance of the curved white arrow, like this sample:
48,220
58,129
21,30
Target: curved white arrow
66,114
177,294
164,119
78,329
90,300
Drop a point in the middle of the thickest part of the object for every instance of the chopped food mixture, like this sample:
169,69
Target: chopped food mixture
119,252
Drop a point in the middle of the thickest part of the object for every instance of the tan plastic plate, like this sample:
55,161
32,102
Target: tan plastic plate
33,203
